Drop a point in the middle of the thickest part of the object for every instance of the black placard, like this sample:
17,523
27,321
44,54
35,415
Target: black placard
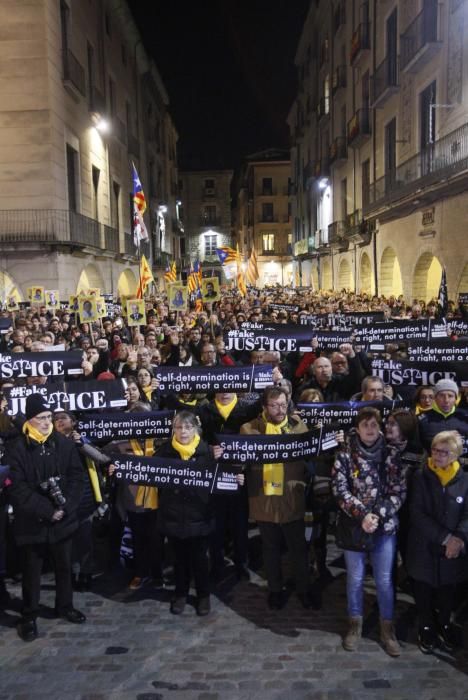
40,364
219,378
103,427
71,396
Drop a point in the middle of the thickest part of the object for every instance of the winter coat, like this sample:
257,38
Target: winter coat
435,513
361,485
432,422
213,422
291,505
186,512
31,464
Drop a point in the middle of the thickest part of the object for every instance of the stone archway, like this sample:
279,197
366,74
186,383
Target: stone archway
327,277
426,277
344,275
390,274
127,284
90,278
365,275
8,288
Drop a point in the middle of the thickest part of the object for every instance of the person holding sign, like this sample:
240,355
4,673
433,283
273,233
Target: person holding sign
186,514
370,488
277,501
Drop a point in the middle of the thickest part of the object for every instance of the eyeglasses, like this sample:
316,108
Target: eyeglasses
277,406
441,453
43,418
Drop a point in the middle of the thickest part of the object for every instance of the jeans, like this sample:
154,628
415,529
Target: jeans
382,558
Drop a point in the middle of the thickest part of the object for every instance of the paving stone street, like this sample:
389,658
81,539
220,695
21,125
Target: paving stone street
131,647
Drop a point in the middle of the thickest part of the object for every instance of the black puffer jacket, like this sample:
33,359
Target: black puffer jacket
31,464
435,513
186,512
213,422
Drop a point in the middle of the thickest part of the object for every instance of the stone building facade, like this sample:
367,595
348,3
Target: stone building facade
379,153
81,101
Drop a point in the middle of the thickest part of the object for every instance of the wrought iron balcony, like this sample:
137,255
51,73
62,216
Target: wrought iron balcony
359,128
360,42
111,239
161,259
421,40
339,79
59,226
338,151
435,164
73,73
336,236
129,245
208,221
384,82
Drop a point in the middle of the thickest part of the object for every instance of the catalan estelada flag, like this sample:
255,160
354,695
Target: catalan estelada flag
140,232
240,275
226,254
170,274
195,277
146,277
252,268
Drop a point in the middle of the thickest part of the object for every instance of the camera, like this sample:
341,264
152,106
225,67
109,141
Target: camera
52,488
102,510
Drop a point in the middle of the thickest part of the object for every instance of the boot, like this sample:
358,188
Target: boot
388,638
353,635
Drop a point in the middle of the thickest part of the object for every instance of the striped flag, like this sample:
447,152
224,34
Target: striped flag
195,277
240,275
252,269
170,274
199,301
226,254
443,295
146,277
140,232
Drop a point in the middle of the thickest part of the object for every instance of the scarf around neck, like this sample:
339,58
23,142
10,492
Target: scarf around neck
273,474
32,432
226,409
444,475
186,451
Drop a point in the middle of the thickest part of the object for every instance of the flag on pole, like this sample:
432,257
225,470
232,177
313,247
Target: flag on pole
146,277
443,295
240,275
195,277
140,232
170,274
226,254
252,268
199,301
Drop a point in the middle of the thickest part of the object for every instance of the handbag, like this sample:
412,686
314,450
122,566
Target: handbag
350,535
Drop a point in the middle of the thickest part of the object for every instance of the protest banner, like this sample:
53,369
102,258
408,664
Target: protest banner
343,413
445,350
40,364
103,427
243,449
279,337
405,375
219,378
337,321
375,337
70,396
5,325
163,472
287,308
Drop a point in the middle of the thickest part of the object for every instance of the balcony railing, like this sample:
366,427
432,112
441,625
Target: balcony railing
360,42
338,150
73,72
267,219
421,40
339,16
129,245
49,226
336,235
437,161
208,221
338,79
323,107
97,101
161,259
111,238
359,127
322,168
384,82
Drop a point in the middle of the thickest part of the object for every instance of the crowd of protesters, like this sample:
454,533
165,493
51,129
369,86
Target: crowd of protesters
396,481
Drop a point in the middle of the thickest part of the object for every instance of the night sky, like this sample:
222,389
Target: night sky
228,66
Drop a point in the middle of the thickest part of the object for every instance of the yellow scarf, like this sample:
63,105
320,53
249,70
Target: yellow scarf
94,479
189,403
32,432
186,451
420,409
146,496
444,475
226,409
147,390
439,410
273,474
